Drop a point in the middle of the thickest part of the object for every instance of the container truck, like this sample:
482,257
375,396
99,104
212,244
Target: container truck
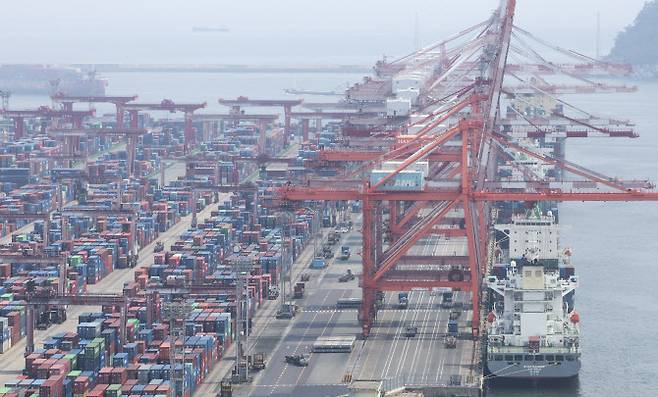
298,292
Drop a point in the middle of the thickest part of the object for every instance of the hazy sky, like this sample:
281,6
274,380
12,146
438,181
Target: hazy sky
160,30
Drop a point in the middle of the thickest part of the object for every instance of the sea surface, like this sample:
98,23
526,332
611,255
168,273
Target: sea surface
615,245
615,249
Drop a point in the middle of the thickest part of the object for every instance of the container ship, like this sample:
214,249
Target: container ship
46,80
533,329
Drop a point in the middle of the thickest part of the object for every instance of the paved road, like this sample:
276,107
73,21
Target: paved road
388,353
318,317
267,330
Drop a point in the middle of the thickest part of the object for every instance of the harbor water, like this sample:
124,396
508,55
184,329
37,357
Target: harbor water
615,244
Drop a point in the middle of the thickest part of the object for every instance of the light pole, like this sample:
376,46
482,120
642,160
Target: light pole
242,269
172,312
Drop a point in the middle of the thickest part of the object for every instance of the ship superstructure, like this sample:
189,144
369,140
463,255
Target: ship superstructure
533,329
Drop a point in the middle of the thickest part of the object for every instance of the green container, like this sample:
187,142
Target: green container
7,297
113,391
73,358
73,374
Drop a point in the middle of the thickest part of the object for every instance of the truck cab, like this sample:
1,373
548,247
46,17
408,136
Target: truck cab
453,328
411,331
288,310
403,300
348,276
447,299
345,253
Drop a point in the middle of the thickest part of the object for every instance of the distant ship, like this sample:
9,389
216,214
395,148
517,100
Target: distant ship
294,91
533,330
209,29
48,80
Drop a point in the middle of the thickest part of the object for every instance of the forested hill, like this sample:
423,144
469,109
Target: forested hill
638,43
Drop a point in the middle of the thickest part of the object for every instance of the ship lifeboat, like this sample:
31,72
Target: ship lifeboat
574,317
491,317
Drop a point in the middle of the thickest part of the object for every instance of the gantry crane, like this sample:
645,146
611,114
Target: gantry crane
119,102
245,187
61,261
168,105
68,212
237,104
77,133
454,200
19,117
318,116
30,217
262,120
36,300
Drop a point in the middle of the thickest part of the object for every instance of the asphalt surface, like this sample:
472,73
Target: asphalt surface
386,354
318,317
423,359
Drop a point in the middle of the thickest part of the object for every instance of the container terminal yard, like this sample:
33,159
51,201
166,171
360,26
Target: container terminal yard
288,247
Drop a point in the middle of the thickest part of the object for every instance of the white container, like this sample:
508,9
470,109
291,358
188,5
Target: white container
420,166
406,82
398,107
411,94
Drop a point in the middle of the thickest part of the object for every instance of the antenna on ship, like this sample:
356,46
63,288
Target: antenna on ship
598,35
4,97
416,33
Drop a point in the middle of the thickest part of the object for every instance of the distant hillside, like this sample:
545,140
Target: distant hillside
638,43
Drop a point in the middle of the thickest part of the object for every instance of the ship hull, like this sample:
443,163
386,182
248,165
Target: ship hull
534,369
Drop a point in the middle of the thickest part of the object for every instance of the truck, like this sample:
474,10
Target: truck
348,276
453,328
450,342
345,253
318,263
327,252
411,331
446,299
159,247
288,310
298,291
300,360
455,380
343,303
272,293
257,361
333,237
403,300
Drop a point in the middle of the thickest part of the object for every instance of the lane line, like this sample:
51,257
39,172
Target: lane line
396,339
421,342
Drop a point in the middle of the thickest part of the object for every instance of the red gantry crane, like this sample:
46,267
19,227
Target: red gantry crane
167,105
119,102
450,203
19,117
261,120
237,104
